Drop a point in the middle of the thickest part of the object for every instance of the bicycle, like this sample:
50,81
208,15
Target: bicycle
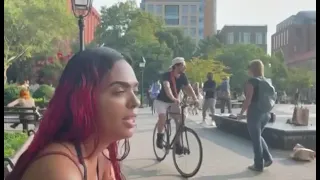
182,130
126,147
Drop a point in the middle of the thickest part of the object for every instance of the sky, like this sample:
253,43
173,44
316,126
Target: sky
248,12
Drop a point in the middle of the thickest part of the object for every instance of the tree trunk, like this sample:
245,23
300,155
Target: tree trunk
5,74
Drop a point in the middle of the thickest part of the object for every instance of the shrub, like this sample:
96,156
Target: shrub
41,102
12,142
44,91
11,92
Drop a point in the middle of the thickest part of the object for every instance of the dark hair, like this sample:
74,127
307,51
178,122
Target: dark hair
71,113
176,65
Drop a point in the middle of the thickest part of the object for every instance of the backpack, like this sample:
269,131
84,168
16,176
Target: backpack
266,95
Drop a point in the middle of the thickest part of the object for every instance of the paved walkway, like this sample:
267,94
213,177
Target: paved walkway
226,157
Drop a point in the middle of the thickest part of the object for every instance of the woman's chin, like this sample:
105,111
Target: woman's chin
128,133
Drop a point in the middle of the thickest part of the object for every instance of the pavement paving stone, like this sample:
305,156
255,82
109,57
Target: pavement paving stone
226,157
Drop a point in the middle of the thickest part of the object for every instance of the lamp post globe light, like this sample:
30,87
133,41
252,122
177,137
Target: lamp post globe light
142,65
81,9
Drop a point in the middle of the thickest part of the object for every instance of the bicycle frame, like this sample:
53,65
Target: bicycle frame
180,129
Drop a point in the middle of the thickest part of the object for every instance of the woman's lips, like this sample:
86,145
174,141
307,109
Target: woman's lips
130,121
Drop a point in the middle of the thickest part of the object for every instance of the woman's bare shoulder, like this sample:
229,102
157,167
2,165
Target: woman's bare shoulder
54,162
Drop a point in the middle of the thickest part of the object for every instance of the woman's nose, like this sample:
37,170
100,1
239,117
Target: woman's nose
134,101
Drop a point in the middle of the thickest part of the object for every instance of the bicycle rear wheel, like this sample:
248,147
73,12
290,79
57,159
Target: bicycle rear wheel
185,135
160,153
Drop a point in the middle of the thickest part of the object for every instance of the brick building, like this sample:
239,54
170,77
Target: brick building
244,34
296,37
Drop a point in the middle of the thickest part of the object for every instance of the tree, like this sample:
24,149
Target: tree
298,78
33,27
237,58
131,31
197,70
52,71
181,45
208,46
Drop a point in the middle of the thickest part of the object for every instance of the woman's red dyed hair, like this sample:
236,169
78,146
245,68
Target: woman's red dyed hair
70,116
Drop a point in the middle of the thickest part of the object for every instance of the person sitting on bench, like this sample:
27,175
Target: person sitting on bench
24,100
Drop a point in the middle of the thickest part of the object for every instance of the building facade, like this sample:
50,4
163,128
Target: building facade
197,18
296,37
244,34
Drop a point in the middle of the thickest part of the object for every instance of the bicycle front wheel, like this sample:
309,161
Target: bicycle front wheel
196,153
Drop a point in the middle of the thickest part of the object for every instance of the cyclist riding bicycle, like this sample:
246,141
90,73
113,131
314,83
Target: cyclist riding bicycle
172,82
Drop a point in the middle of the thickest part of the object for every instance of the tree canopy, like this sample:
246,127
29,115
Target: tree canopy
33,27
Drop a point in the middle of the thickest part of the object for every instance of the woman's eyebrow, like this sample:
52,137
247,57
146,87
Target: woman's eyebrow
124,84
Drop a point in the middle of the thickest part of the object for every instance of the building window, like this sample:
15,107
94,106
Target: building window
193,9
185,9
171,14
159,10
278,37
201,33
230,38
246,38
150,8
287,36
193,20
281,39
172,10
172,22
193,32
259,38
240,37
184,20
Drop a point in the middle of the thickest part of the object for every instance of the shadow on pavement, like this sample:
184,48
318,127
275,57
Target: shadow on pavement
241,175
234,143
146,171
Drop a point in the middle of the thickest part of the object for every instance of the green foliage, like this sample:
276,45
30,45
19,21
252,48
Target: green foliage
44,91
41,102
181,45
51,72
237,58
197,70
33,27
12,142
11,93
133,32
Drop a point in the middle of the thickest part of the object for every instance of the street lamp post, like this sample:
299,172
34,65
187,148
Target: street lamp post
81,9
142,65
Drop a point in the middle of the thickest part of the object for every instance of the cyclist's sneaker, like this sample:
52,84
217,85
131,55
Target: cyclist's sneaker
181,150
160,140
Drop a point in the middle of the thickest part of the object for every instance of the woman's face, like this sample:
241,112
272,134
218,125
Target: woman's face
117,102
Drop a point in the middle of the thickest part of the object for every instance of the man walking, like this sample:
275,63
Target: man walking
209,89
225,98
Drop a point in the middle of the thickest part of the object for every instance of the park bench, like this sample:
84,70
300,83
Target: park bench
277,135
22,115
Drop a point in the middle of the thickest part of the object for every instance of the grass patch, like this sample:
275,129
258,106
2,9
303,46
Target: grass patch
13,142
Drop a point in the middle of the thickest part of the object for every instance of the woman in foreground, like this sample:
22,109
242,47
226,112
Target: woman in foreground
92,108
